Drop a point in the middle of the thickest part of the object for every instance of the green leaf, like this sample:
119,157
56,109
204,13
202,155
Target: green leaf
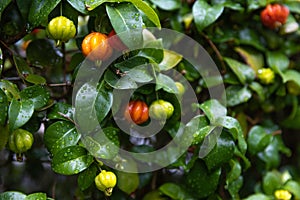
22,67
3,108
235,171
204,14
40,10
235,129
293,187
237,95
141,5
174,191
37,196
258,88
124,82
258,139
213,110
127,21
12,195
153,51
78,5
10,89
291,75
59,135
3,5
170,60
234,187
103,144
271,181
253,58
71,160
128,182
140,74
202,183
259,196
131,63
250,37
221,153
35,79
42,53
103,102
243,72
87,177
37,94
277,61
166,83
61,111
167,4
19,113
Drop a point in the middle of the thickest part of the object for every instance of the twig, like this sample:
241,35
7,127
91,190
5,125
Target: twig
216,50
59,84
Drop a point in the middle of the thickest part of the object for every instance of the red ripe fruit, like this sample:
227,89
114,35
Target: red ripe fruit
274,15
137,111
115,42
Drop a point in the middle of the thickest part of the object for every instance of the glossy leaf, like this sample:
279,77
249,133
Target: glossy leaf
204,14
19,113
271,181
103,144
235,129
277,61
35,79
125,17
243,72
167,4
213,110
78,5
258,88
39,95
36,196
202,183
258,139
153,51
71,160
39,11
61,111
141,74
59,135
10,89
117,82
128,182
87,177
141,5
250,37
3,108
23,68
259,196
103,103
291,75
42,53
237,95
12,195
170,60
221,153
235,171
174,191
293,187
166,83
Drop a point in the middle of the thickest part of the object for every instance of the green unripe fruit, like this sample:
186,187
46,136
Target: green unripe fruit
61,29
266,75
105,181
20,141
161,109
180,88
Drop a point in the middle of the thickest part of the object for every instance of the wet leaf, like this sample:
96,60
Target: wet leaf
35,79
213,110
204,14
23,68
167,4
12,195
170,60
124,82
174,191
237,95
166,83
103,102
3,108
71,160
36,196
39,95
87,177
258,139
19,113
61,108
59,135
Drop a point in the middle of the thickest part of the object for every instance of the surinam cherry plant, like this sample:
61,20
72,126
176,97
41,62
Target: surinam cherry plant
62,129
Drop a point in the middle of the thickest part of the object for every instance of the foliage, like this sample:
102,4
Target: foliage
242,146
